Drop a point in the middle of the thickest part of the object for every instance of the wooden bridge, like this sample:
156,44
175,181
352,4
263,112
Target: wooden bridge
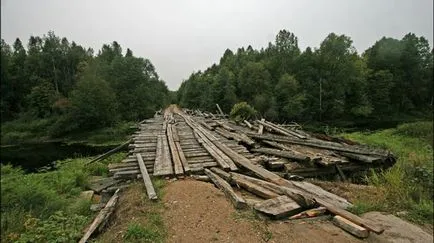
257,163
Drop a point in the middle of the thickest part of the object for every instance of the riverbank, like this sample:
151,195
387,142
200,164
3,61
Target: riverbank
42,207
31,131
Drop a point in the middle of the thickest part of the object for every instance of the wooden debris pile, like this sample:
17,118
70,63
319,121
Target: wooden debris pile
291,152
257,164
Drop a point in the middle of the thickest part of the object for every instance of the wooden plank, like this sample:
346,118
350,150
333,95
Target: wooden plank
279,207
163,164
261,127
177,165
249,125
146,179
351,217
253,188
350,227
220,110
182,158
102,217
324,145
237,201
280,153
175,134
101,184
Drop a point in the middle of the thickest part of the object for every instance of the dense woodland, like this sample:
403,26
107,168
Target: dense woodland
393,78
58,79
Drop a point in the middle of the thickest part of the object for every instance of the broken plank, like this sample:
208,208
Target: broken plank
279,207
237,201
261,127
350,227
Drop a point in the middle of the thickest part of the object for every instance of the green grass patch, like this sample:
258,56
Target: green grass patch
409,183
45,207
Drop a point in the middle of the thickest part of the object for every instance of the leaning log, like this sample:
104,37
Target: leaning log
102,217
105,155
146,179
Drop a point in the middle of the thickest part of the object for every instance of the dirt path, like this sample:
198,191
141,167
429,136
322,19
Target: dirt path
198,212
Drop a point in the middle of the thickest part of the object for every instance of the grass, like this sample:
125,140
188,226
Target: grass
46,207
408,185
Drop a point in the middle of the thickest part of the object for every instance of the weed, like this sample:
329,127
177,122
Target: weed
139,233
408,185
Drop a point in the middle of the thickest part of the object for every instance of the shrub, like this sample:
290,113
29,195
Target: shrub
242,111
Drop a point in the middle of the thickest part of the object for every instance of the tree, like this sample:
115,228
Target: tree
93,101
290,98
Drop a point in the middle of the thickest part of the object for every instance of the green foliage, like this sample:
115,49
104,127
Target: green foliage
65,82
331,83
408,185
242,111
37,197
59,227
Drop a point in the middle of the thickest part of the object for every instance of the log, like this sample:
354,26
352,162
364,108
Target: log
324,145
107,154
206,125
350,227
237,201
284,131
351,217
280,153
279,207
223,174
249,125
146,179
102,217
220,110
314,212
253,188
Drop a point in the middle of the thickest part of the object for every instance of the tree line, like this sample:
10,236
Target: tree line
391,78
58,79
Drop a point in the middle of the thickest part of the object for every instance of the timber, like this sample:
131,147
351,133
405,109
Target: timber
102,217
107,154
284,154
146,179
350,227
278,207
237,201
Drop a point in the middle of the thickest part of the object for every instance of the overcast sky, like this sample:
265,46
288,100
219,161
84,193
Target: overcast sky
182,36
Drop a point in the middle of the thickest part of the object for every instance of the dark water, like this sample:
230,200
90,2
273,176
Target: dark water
32,157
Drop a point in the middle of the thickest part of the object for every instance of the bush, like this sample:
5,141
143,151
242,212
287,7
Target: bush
39,196
242,111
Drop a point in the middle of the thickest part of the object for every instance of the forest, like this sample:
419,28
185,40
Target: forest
72,88
393,79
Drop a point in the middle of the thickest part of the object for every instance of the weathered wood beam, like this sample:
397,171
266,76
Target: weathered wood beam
146,179
237,201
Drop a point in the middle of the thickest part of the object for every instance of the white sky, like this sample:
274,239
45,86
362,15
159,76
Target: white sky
182,36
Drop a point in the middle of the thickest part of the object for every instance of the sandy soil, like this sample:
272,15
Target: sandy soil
199,212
